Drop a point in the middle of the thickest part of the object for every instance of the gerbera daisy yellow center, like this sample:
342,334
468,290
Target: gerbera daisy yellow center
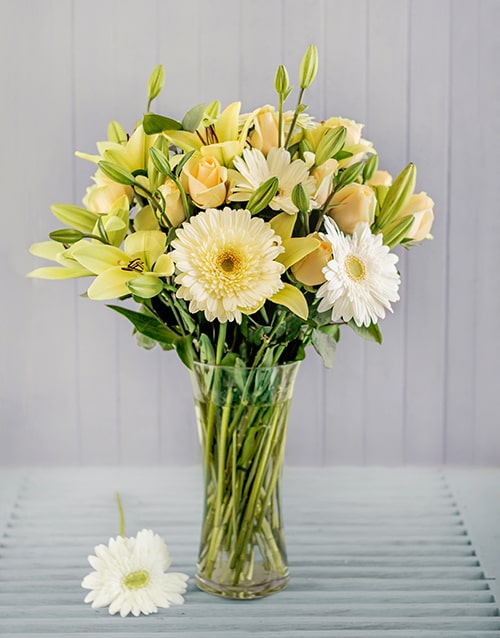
226,260
229,261
136,580
355,268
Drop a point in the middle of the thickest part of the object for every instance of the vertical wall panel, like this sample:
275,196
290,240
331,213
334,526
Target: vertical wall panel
38,409
426,264
300,29
387,125
114,55
487,360
462,233
344,77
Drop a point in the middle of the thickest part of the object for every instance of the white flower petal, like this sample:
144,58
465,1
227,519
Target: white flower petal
129,576
361,279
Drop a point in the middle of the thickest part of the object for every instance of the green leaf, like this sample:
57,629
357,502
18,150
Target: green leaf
75,216
153,123
185,351
207,353
156,82
193,117
117,173
149,326
370,333
185,158
332,329
325,345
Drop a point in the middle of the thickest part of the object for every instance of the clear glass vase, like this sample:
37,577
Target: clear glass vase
242,416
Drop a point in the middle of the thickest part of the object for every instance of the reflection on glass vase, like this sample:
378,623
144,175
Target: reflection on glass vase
242,416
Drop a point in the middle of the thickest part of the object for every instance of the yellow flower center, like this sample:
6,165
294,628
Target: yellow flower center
229,261
136,580
354,268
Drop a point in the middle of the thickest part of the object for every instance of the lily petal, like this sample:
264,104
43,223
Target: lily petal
99,257
110,284
293,299
296,248
283,224
59,272
148,245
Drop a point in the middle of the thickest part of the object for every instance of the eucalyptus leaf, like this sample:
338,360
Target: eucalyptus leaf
325,345
370,333
153,123
193,117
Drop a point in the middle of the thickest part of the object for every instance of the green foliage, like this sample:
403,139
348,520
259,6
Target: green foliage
154,123
370,333
148,325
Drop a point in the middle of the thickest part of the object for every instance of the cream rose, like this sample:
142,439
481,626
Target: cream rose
174,208
309,270
102,196
353,134
265,133
421,206
352,204
323,175
204,179
380,178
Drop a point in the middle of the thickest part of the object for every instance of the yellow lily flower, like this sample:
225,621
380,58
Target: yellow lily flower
219,140
54,251
137,268
133,155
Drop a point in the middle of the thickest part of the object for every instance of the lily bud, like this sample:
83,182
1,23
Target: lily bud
263,195
308,67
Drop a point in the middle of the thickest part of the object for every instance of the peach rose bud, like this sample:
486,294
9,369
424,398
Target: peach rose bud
352,204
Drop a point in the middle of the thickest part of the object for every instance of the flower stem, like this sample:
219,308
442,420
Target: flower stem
122,515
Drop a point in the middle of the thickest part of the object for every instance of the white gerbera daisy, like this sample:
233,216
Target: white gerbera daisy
226,263
361,279
253,169
129,576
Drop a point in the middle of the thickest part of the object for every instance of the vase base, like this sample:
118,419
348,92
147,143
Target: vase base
244,591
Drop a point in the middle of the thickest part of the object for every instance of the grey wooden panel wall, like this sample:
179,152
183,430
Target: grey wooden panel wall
422,75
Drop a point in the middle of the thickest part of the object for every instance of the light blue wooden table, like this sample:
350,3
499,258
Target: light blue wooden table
374,553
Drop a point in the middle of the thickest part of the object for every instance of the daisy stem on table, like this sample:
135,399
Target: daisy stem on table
122,515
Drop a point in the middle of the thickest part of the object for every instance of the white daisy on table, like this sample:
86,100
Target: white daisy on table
361,278
253,169
130,576
227,263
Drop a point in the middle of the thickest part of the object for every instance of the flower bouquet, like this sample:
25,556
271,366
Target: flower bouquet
241,239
